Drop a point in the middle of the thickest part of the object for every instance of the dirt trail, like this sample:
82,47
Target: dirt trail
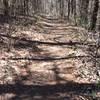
47,54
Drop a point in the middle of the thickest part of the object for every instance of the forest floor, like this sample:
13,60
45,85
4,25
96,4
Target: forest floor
48,61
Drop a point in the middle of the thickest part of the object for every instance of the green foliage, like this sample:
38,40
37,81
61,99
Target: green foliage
93,94
98,85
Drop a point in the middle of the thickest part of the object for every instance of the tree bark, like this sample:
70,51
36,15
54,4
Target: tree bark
94,15
6,7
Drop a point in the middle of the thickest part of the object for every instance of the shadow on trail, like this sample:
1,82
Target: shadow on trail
47,58
23,43
31,90
21,40
19,18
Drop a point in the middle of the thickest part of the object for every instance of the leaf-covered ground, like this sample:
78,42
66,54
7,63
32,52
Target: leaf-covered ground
47,54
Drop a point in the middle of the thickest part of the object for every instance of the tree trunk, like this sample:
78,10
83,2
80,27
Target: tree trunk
6,7
94,15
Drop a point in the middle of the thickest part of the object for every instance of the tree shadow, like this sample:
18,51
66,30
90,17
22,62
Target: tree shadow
4,19
19,19
23,43
31,91
44,43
